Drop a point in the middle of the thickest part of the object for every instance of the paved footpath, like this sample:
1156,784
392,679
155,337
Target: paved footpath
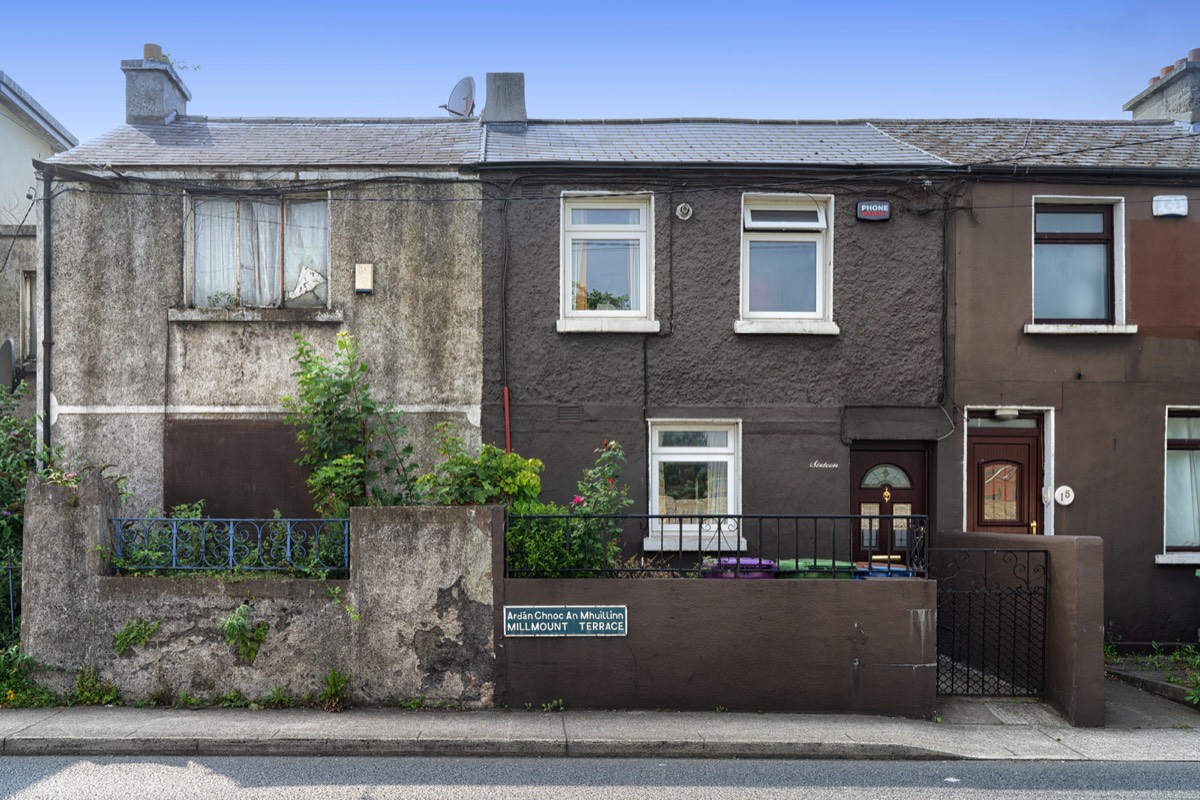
1140,727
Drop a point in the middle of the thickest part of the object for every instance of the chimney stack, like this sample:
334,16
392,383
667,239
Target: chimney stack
505,100
1172,94
154,92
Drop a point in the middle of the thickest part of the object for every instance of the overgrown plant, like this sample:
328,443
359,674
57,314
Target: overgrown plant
336,693
17,687
135,632
492,476
582,539
240,633
92,690
353,444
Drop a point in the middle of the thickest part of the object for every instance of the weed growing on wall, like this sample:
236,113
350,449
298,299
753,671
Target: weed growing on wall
17,689
353,444
336,693
278,698
241,634
135,632
92,690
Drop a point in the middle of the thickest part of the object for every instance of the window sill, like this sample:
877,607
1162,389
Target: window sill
1181,557
608,325
810,327
333,315
1056,328
726,542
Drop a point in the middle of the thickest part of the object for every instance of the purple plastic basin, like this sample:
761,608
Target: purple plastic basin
743,567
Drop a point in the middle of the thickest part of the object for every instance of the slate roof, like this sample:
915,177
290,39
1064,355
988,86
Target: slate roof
1052,143
191,142
702,142
202,142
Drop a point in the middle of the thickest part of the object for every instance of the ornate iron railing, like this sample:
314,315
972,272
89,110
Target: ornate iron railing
992,608
10,598
657,545
319,547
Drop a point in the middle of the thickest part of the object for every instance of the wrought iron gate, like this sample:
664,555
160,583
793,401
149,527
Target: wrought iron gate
991,637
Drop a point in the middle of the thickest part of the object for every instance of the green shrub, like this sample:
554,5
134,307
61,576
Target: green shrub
336,693
493,476
353,444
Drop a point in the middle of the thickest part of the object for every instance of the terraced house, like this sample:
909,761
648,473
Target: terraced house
946,326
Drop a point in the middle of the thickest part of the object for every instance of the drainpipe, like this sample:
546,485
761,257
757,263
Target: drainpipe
47,339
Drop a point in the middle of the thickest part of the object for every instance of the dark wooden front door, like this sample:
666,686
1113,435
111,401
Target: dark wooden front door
1004,476
888,481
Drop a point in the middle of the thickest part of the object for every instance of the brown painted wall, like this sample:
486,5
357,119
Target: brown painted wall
777,645
1074,620
792,392
1109,393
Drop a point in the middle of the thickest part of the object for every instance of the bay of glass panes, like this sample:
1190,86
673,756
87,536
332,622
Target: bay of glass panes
606,274
693,487
798,216
1183,428
1183,498
1061,222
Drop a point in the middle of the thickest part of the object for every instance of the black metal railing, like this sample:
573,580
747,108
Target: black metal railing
991,621
10,598
657,545
171,544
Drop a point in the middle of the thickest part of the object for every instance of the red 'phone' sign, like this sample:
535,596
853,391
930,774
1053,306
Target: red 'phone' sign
875,210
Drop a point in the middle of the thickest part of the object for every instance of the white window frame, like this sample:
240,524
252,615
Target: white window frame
688,537
1173,556
641,320
189,265
1120,323
818,322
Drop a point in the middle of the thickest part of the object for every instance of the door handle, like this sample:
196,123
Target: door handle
1033,527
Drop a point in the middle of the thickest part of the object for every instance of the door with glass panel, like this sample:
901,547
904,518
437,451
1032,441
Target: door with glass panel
1004,474
888,486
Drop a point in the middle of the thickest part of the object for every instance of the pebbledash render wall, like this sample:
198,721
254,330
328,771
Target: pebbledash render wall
802,399
183,397
420,580
1103,397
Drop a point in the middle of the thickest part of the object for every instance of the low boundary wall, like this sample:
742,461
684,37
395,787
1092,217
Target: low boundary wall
777,645
420,582
1074,619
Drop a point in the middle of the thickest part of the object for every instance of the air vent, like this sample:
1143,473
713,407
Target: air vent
569,414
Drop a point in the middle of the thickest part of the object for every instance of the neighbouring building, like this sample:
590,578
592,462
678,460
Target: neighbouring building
27,132
185,252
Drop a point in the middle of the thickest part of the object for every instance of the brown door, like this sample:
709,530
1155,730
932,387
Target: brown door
888,484
1004,475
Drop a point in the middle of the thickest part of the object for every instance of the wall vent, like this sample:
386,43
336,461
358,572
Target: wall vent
569,414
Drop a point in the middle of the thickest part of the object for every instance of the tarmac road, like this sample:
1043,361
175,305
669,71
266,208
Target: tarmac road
275,778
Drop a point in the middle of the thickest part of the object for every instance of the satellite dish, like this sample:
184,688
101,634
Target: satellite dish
462,98
6,365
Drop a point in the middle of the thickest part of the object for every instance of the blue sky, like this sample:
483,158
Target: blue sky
615,59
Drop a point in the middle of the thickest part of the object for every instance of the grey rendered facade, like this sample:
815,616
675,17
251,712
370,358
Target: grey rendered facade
181,393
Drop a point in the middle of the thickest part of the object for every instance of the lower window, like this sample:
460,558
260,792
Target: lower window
695,489
1182,511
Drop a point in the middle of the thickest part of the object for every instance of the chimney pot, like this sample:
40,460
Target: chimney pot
152,52
1181,63
1155,80
1165,71
1173,94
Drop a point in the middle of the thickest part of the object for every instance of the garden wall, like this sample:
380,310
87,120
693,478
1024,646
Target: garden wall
420,580
776,645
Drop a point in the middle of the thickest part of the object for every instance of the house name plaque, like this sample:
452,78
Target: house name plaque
566,621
